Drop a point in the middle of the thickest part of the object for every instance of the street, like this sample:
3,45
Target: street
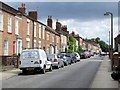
77,75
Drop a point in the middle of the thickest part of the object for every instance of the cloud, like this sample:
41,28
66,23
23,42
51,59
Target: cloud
85,18
91,29
71,10
60,0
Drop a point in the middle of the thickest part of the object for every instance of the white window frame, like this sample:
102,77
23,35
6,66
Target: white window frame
1,22
39,31
39,44
27,44
35,27
27,41
35,44
16,26
48,36
61,38
9,24
43,32
53,38
28,27
6,48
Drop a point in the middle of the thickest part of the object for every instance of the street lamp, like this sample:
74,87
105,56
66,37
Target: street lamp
106,14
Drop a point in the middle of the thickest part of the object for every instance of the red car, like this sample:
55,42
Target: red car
83,55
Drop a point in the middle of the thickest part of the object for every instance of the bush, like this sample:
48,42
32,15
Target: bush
115,75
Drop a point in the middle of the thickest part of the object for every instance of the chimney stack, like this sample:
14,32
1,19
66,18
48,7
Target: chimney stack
49,21
73,33
22,8
58,25
64,28
33,14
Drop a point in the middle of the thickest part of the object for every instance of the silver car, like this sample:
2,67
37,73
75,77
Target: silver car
56,60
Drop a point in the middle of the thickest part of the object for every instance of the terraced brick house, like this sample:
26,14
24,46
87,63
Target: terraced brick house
20,31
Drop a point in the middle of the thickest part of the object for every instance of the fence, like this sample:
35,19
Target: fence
9,60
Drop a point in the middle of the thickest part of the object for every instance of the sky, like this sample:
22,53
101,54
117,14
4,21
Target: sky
84,18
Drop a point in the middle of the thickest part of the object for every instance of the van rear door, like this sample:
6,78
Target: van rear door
29,58
25,59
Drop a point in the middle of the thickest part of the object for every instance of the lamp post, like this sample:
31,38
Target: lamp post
109,13
109,44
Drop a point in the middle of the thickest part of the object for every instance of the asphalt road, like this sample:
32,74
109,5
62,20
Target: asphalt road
78,75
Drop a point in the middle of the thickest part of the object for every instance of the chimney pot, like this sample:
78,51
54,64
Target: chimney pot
49,21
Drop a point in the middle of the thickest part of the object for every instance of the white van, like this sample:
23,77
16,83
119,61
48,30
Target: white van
34,59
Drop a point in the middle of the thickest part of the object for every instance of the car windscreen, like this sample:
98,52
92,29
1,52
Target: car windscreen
30,54
51,56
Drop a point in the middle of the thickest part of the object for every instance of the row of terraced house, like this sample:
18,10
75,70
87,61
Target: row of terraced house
19,30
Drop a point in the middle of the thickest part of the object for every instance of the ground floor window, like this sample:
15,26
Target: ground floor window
28,44
5,47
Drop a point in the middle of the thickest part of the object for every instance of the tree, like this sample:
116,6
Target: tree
103,46
80,49
71,44
97,40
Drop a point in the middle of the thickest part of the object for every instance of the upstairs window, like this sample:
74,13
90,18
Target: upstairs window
1,22
10,24
28,28
53,38
34,29
16,27
39,31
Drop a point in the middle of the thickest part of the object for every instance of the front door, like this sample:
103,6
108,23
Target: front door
19,46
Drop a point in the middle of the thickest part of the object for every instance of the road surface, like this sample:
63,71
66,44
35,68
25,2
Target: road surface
77,75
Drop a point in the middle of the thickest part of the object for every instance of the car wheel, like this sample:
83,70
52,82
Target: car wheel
43,70
50,68
57,67
24,71
62,65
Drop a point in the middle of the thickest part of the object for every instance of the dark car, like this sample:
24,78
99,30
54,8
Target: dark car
66,58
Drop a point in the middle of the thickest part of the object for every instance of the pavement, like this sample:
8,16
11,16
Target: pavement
102,78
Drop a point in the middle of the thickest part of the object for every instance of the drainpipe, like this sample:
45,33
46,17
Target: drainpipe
33,35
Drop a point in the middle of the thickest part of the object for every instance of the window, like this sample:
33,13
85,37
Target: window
48,36
61,38
57,39
9,24
16,26
27,55
5,47
34,29
28,28
35,44
53,37
39,46
47,50
39,31
65,39
1,21
43,32
28,44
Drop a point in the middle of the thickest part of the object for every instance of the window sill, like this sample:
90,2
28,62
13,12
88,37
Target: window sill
17,34
9,32
1,30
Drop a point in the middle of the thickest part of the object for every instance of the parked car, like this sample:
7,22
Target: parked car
77,56
70,57
74,58
88,54
56,60
83,55
66,59
92,53
34,59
